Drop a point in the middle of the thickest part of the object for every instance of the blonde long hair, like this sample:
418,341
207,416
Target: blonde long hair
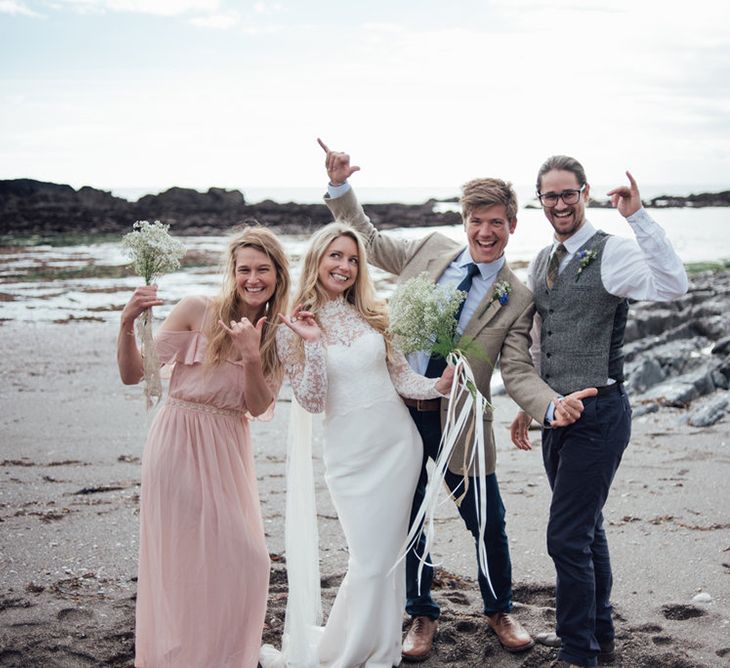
361,294
227,305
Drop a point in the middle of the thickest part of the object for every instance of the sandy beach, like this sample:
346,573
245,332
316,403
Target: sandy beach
72,438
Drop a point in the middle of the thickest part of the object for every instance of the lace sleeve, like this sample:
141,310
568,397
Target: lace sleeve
308,377
407,382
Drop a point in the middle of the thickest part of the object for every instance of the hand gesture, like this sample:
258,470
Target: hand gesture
143,298
519,430
443,384
246,337
338,165
626,199
570,408
303,324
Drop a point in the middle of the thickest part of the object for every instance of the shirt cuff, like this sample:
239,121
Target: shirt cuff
337,191
549,414
640,219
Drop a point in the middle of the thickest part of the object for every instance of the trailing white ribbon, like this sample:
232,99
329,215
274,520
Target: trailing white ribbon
150,360
304,602
468,420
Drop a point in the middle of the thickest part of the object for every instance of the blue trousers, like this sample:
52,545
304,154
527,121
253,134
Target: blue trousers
581,461
420,602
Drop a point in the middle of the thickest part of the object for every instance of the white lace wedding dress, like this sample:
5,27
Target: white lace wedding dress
372,457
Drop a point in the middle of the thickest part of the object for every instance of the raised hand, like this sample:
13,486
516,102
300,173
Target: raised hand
143,298
626,198
570,408
519,431
246,337
302,323
338,165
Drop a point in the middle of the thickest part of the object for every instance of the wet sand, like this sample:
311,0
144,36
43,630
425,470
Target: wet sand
70,448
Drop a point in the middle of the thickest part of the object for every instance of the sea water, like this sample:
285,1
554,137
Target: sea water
697,235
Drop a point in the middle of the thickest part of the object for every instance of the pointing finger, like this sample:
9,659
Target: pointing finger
632,181
323,145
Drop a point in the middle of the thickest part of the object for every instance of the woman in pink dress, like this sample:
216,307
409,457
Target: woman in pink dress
203,561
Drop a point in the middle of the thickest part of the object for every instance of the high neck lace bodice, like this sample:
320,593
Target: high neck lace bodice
332,379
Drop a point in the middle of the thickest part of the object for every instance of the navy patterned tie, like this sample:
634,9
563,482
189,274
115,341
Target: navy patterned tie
437,364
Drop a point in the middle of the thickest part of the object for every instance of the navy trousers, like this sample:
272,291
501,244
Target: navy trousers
581,461
420,602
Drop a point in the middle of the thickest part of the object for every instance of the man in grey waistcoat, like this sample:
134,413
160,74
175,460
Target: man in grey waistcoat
581,284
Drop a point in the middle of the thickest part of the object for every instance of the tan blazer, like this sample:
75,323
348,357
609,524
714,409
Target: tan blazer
503,331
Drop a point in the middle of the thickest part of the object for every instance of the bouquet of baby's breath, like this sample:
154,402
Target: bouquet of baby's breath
154,252
422,318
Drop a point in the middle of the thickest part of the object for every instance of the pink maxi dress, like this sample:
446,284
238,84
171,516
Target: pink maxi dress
203,561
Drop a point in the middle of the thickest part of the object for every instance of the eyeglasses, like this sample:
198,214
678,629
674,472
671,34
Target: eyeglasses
568,196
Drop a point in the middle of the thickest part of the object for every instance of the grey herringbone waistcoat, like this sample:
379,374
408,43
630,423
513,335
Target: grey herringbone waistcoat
582,323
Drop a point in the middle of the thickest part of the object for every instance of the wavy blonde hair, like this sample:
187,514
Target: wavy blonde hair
227,305
361,294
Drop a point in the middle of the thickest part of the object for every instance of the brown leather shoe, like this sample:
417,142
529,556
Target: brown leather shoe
419,640
510,633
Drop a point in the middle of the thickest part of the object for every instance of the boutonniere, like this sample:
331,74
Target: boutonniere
585,257
500,293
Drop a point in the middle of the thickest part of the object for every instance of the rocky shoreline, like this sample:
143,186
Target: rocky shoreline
29,207
678,352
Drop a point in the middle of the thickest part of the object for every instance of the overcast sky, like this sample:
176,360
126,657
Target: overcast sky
199,93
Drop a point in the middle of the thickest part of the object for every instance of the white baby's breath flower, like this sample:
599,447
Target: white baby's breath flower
422,316
153,251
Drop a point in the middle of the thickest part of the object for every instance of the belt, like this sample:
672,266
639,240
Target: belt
204,408
610,389
423,405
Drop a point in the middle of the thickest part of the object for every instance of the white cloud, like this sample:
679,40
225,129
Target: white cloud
218,21
17,9
267,8
154,7
163,7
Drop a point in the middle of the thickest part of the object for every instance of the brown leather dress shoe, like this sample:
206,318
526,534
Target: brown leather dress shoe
512,636
419,640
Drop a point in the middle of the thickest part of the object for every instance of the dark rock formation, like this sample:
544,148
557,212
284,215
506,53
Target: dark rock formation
679,351
34,207
710,413
29,207
696,201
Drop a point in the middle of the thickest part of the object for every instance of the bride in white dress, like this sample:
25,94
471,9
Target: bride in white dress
339,360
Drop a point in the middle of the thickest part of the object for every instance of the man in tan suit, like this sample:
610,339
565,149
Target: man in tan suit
502,328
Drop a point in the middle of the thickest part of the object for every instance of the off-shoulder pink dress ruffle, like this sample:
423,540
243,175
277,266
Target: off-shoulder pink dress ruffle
203,561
